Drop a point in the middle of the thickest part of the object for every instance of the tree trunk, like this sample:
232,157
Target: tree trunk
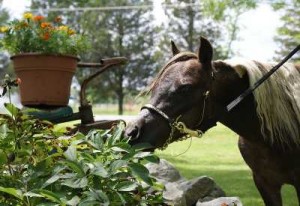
120,92
191,30
120,101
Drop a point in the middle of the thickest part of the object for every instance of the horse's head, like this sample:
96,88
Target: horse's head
180,92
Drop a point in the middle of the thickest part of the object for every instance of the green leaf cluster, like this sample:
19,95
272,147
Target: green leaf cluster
40,166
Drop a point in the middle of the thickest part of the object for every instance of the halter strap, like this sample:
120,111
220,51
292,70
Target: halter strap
158,111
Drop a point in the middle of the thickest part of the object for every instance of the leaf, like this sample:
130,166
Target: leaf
126,186
116,165
76,182
99,195
117,134
119,149
32,194
3,91
12,109
87,202
140,172
3,158
74,201
50,196
152,158
71,153
140,155
12,191
51,180
99,170
122,198
75,167
96,138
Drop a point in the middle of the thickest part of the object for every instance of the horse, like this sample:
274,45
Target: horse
191,92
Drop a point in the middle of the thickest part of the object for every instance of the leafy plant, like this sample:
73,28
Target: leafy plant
37,34
40,166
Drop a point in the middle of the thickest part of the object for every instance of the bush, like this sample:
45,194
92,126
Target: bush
40,166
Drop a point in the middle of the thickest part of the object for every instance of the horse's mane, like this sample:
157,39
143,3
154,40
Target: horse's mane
278,99
182,56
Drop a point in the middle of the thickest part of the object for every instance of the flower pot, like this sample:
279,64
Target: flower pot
46,79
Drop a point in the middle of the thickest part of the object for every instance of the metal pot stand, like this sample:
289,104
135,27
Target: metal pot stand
61,114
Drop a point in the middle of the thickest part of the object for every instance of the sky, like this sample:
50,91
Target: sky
258,28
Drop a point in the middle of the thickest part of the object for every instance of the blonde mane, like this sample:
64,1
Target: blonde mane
278,99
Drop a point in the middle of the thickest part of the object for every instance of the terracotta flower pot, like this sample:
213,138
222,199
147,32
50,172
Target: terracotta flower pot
46,79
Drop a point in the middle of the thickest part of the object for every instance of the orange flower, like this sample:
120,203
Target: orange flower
18,81
58,19
46,36
38,18
46,25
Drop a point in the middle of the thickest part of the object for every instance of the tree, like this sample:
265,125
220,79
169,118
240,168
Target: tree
128,33
289,32
4,57
215,19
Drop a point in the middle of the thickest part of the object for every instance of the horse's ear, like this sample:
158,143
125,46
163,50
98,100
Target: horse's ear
205,52
175,50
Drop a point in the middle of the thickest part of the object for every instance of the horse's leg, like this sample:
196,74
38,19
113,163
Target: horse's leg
269,191
298,192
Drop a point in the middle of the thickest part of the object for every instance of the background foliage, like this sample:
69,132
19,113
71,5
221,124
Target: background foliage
136,34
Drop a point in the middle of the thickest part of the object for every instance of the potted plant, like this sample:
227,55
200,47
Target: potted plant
44,57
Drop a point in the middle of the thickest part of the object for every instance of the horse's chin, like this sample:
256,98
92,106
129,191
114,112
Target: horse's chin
145,145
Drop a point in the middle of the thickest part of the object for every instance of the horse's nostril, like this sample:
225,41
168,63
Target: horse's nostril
133,132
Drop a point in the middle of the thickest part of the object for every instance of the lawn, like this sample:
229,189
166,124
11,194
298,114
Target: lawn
217,155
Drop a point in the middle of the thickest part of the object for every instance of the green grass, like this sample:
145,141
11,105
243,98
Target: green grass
216,155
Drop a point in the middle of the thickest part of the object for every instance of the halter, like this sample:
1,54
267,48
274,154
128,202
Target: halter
176,125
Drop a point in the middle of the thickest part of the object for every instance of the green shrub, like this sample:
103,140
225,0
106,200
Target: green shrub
40,166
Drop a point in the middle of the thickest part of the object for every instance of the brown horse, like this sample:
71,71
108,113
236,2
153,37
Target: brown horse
194,90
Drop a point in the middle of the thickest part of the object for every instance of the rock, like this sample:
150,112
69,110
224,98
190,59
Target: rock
197,188
181,192
215,193
173,195
222,201
164,172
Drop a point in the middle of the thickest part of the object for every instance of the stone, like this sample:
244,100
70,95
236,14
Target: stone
215,193
173,195
164,172
197,188
222,201
200,191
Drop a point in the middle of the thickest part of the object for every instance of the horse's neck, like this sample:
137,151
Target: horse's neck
228,85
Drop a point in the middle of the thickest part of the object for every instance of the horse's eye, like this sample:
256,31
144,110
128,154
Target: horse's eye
184,88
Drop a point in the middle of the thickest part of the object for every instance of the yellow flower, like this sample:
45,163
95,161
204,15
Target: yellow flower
27,15
4,29
63,28
71,32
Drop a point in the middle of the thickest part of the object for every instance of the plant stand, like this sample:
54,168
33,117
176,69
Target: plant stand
85,114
